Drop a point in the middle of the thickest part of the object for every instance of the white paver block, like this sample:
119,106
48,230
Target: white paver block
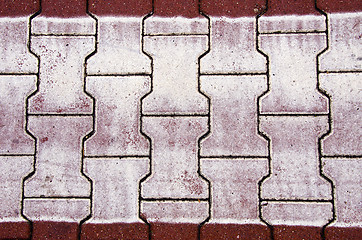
61,74
292,23
295,172
297,214
346,103
119,47
115,188
174,159
58,157
292,72
233,116
175,211
56,210
347,179
12,171
155,25
175,75
14,54
233,47
234,184
13,92
345,44
54,25
117,116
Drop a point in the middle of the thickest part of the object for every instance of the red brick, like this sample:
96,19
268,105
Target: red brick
120,7
339,5
232,8
282,232
124,231
55,230
167,231
14,230
173,8
291,7
345,233
234,231
16,8
64,8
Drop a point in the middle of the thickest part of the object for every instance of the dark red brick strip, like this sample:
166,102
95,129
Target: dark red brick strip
64,8
16,8
235,231
330,6
124,231
345,233
291,7
172,8
168,231
120,7
55,230
14,230
232,8
297,232
169,8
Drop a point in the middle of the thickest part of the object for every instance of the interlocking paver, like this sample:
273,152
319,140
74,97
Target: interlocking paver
175,91
233,116
174,160
61,75
58,157
117,126
346,97
235,186
172,119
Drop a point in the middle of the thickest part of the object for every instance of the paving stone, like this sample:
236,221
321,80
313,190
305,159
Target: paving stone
175,91
115,182
344,53
174,157
58,157
13,92
235,231
233,8
172,8
297,213
344,90
346,176
12,170
174,211
130,8
233,47
14,230
64,8
233,123
119,50
127,231
284,232
234,187
56,210
172,119
295,172
43,25
292,86
117,121
54,230
61,75
14,54
18,8
164,231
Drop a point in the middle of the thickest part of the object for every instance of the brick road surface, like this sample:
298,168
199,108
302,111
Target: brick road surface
180,120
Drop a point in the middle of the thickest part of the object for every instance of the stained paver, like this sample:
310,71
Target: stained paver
171,119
